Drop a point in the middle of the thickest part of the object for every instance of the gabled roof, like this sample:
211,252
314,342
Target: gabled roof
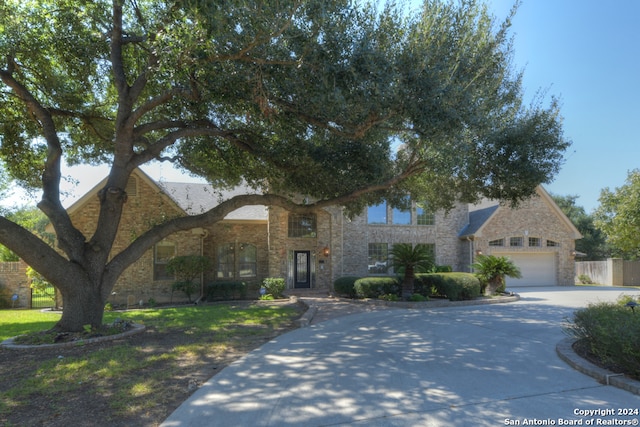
477,219
480,215
195,199
191,198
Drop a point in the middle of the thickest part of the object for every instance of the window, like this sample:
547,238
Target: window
424,216
226,261
402,216
516,241
377,214
497,242
378,258
162,253
302,225
551,243
247,260
535,241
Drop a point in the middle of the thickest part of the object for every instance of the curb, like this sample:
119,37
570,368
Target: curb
564,349
135,329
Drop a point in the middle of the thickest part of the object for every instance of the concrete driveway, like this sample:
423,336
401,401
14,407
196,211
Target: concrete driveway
490,365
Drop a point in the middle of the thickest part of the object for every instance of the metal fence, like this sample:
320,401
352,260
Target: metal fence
43,298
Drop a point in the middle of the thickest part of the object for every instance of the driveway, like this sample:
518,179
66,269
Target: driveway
489,365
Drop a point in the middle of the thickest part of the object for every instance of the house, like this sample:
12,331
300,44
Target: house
313,250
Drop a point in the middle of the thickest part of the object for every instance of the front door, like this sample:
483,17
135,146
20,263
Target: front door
301,269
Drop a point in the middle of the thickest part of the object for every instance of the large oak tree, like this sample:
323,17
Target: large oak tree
294,97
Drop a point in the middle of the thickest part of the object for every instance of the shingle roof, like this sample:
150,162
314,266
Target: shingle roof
477,218
196,198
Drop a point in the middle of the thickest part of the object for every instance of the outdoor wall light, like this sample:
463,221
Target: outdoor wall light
479,252
572,253
325,251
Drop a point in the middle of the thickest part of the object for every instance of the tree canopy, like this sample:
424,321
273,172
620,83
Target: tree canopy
618,216
593,242
293,97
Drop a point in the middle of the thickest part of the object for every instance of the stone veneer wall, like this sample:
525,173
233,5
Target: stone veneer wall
533,218
281,248
143,209
357,234
14,281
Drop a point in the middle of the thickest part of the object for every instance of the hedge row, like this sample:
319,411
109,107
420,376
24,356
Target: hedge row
454,286
225,290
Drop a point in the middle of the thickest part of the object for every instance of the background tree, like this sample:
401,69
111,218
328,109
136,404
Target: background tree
593,242
618,216
293,97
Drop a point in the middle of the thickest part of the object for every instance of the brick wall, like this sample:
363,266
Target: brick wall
533,218
14,281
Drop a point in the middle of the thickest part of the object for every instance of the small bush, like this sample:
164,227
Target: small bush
373,287
344,286
418,298
226,290
455,286
389,297
442,269
612,332
274,286
426,284
187,287
585,280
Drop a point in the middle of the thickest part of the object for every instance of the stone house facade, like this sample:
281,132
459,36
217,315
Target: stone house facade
312,251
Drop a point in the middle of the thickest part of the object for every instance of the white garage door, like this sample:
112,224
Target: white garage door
538,269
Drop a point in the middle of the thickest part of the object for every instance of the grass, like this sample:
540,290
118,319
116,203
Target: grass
134,376
18,322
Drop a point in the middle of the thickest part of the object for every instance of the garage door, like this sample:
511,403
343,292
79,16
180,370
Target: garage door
538,269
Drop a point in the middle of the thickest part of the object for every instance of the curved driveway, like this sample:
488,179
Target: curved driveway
488,365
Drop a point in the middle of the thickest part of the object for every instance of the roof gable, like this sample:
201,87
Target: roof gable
482,215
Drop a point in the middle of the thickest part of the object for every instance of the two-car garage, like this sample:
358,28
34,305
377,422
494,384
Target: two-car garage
537,268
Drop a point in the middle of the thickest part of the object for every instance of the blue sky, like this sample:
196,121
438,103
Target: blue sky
586,52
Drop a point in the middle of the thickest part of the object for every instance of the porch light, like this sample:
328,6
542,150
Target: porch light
479,252
325,251
573,253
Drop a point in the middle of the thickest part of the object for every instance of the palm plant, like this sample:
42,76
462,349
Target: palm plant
492,270
411,259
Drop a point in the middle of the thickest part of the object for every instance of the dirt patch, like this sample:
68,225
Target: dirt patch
91,403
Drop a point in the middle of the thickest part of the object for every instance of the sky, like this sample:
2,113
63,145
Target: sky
586,53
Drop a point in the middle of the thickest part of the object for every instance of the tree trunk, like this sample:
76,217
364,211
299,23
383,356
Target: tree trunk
82,306
408,282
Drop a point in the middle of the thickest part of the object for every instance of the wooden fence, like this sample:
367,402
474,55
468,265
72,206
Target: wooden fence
612,272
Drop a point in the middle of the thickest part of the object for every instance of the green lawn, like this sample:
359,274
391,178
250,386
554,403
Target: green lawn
18,322
142,373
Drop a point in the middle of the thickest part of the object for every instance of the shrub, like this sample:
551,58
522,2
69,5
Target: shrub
373,287
418,298
492,270
455,286
187,287
612,333
186,269
426,284
344,286
274,286
226,290
461,286
584,279
390,297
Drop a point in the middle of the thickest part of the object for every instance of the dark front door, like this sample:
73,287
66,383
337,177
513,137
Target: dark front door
301,269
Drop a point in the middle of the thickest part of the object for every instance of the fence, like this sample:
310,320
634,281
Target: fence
43,298
612,272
